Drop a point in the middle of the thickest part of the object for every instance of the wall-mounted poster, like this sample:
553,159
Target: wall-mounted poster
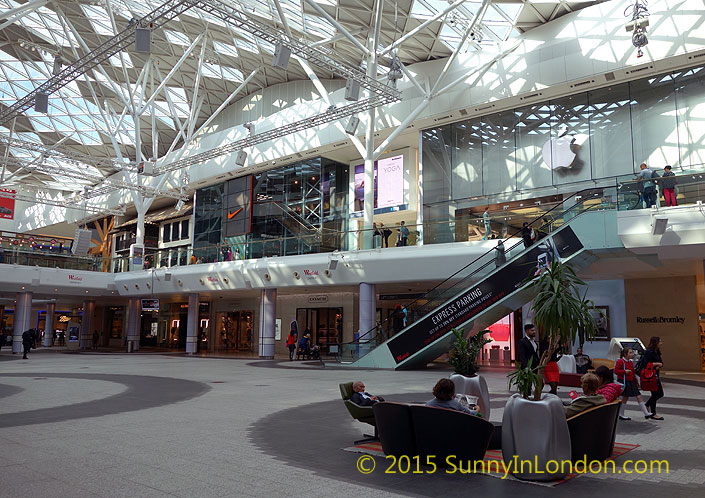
7,206
389,183
601,314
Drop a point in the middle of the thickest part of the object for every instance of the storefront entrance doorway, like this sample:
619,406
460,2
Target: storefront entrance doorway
235,331
324,324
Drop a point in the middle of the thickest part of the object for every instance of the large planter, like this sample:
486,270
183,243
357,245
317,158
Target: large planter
536,432
474,386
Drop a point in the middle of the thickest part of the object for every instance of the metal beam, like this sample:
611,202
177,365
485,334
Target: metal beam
64,204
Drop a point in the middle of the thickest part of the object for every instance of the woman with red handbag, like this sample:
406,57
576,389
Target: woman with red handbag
650,380
624,370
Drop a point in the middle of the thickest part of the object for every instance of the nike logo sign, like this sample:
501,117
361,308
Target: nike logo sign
230,215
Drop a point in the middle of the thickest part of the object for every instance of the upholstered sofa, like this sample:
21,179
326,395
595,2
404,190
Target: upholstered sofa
427,431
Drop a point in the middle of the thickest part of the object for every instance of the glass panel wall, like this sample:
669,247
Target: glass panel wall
561,146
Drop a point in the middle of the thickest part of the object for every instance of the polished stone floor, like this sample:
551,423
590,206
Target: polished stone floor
117,425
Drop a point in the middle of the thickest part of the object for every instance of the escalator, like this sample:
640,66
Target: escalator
486,289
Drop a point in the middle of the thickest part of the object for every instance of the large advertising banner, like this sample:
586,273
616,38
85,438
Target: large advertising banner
390,182
7,206
388,186
483,295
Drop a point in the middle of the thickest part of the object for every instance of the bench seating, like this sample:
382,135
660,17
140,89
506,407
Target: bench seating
424,431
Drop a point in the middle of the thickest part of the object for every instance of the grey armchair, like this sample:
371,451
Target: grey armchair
363,414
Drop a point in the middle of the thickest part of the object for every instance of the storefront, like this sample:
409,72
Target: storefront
235,332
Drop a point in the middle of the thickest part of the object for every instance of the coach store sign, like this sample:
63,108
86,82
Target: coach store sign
317,299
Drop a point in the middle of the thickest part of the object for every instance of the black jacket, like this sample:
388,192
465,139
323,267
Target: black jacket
526,351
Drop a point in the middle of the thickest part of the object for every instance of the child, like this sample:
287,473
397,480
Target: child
624,369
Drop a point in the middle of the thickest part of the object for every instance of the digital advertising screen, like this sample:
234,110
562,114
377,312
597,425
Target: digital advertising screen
389,183
7,206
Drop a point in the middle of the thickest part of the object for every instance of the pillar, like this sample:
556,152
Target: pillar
85,341
192,324
133,325
368,309
267,323
49,324
23,310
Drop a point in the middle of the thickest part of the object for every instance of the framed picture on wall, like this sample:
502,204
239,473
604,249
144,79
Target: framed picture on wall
601,314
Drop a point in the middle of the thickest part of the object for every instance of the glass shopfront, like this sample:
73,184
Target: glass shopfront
521,153
165,328
235,331
324,324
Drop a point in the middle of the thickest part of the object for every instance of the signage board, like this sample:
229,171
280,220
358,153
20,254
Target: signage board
483,295
7,206
150,304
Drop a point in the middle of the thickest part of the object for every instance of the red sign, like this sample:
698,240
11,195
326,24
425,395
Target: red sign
7,206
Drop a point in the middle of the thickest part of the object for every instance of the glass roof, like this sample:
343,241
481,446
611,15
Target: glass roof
89,114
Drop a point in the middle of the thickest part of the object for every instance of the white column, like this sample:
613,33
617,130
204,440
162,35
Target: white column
49,324
133,325
86,339
267,323
192,324
23,310
368,309
419,197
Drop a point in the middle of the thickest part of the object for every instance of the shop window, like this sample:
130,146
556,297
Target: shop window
166,236
184,229
175,231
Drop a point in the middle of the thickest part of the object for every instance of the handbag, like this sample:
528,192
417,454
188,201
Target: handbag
649,380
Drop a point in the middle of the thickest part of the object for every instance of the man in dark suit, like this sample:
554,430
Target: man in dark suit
362,398
528,347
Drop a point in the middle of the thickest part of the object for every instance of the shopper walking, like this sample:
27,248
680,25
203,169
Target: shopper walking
653,355
486,221
291,344
386,232
376,236
668,184
403,234
27,342
527,235
624,370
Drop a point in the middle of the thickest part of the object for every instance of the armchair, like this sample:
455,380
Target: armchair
592,432
362,414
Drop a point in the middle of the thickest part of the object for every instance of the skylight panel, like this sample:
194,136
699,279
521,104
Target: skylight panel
245,45
117,62
501,30
319,26
232,74
99,19
225,49
177,38
512,10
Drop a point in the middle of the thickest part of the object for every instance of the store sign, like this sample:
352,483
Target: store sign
317,299
64,318
150,304
661,319
311,273
7,206
214,280
75,278
482,296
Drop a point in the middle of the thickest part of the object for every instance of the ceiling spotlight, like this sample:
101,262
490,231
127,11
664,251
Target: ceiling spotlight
180,205
250,127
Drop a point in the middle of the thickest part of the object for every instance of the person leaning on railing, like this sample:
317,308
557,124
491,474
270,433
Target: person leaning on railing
668,185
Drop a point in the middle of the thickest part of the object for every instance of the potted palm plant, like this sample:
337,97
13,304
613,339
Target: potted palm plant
463,359
534,427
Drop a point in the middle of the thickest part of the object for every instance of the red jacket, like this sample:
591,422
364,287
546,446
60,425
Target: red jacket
620,369
610,391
